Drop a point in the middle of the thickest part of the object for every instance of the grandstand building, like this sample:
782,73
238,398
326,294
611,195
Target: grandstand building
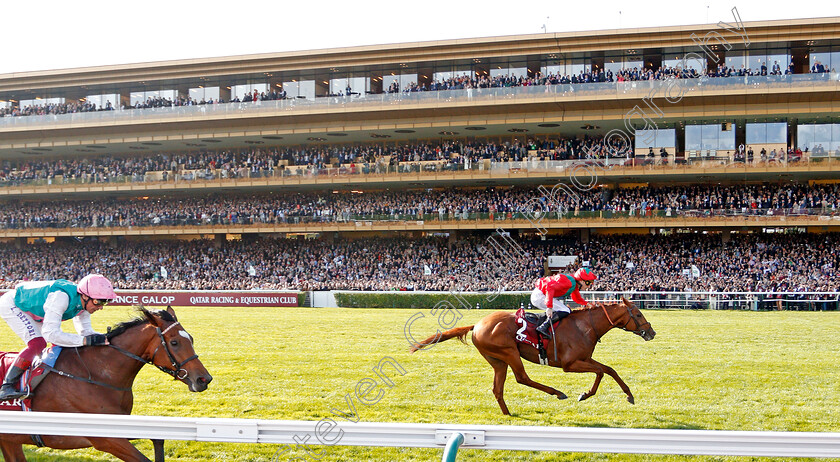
562,142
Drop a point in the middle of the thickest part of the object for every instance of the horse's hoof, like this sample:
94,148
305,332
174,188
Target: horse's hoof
631,400
582,396
560,395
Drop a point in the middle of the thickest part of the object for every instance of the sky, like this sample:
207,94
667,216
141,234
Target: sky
47,35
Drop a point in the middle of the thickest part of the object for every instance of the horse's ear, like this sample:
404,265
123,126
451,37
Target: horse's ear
626,302
172,312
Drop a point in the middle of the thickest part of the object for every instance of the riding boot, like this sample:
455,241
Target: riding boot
8,390
545,328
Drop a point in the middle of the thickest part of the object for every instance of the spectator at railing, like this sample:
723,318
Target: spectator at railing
818,67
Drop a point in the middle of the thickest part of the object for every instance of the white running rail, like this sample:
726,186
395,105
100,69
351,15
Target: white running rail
528,438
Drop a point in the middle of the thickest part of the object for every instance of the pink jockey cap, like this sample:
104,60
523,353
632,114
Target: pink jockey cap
97,286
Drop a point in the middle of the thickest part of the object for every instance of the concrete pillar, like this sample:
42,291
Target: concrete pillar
799,56
219,240
726,236
375,82
224,93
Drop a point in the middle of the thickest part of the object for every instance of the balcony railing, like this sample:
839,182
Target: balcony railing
283,173
523,94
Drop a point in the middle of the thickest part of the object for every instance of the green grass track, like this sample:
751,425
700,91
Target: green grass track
716,370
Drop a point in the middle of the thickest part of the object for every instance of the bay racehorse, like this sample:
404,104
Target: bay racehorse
102,377
576,337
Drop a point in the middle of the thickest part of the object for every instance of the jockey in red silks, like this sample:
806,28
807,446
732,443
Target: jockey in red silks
551,291
34,310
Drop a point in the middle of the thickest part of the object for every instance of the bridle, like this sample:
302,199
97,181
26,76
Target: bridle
639,330
177,372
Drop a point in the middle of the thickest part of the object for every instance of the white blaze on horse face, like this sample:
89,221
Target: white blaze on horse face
184,334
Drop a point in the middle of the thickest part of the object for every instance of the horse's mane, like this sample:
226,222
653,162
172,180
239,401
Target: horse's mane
144,317
595,306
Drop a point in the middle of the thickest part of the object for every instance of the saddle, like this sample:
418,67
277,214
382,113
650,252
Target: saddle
527,333
30,379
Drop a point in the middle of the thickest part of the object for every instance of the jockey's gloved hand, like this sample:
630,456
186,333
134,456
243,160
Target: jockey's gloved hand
95,339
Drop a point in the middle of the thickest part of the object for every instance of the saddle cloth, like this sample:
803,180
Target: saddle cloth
527,332
30,379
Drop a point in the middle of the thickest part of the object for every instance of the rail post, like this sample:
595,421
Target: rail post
451,449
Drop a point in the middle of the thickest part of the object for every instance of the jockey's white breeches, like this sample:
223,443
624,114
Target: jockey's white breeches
21,323
538,300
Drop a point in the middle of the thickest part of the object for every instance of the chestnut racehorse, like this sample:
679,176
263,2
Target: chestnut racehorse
102,377
576,336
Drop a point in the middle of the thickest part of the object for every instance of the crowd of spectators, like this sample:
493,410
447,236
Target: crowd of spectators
151,102
342,160
285,207
54,108
268,161
678,262
466,81
587,75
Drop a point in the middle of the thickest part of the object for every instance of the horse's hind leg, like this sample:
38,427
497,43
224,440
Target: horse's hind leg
122,449
12,452
590,365
499,376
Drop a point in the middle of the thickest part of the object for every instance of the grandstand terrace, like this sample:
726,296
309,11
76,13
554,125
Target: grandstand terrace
354,168
760,204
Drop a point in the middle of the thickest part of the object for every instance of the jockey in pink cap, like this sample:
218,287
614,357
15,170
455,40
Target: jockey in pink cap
550,292
34,310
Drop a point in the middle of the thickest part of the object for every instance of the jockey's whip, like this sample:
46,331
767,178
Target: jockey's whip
553,336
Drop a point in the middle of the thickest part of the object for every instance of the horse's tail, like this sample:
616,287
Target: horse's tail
460,332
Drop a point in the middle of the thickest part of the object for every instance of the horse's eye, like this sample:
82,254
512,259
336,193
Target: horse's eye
173,342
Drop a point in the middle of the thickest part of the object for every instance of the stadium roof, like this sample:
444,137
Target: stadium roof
371,58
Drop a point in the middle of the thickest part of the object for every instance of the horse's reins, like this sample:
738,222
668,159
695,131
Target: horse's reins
177,367
604,307
637,331
82,379
175,372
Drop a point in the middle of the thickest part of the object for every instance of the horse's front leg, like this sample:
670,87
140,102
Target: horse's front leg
120,448
515,363
590,365
159,453
12,452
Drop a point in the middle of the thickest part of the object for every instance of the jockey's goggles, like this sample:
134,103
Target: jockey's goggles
101,303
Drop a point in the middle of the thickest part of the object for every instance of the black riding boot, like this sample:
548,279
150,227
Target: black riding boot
8,390
545,328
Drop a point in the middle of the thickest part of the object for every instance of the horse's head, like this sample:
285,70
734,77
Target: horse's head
170,349
176,352
636,322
